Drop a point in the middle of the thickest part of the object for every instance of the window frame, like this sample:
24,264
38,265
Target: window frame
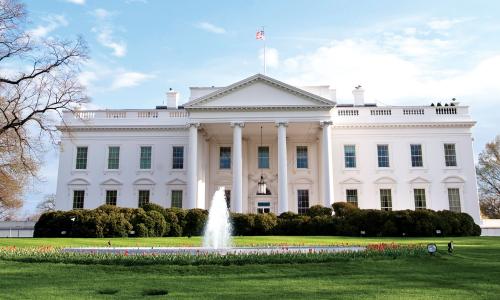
106,200
455,156
174,162
389,201
297,156
459,191
226,158
302,210
388,157
108,153
355,166
150,159
347,190
139,200
74,191
421,155
424,200
176,191
75,161
268,157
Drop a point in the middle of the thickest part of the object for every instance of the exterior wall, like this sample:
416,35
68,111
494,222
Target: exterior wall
401,177
17,229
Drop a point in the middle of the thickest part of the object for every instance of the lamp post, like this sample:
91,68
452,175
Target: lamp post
261,185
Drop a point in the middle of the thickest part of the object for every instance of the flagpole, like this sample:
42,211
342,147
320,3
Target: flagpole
265,67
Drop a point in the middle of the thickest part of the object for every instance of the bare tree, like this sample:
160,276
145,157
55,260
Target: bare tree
38,81
488,174
48,203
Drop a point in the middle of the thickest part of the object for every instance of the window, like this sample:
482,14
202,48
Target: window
263,157
225,158
385,199
81,158
176,198
263,207
450,155
111,196
454,199
78,199
350,156
303,201
352,196
178,157
113,158
419,196
227,195
145,162
416,155
383,156
302,161
143,197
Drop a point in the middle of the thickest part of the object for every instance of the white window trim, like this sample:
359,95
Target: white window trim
391,187
426,188
424,156
172,157
78,187
73,162
457,156
352,187
138,155
175,187
257,156
106,169
391,163
218,157
356,152
295,157
460,187
111,187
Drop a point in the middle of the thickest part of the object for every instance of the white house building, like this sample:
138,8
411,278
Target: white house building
297,141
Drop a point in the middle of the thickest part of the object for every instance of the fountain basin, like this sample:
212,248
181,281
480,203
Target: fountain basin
221,251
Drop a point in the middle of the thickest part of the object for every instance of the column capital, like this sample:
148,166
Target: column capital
325,123
281,124
195,124
239,124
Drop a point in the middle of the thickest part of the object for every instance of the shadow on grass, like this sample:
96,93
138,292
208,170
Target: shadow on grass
107,291
155,292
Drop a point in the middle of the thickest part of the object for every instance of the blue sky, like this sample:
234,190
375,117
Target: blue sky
402,52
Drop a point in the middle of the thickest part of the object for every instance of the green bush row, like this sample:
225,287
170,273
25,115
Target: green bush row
153,220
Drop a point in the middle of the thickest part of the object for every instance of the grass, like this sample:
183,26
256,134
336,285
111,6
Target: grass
473,272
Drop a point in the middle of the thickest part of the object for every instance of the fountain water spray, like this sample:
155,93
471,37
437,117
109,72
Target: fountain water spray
218,228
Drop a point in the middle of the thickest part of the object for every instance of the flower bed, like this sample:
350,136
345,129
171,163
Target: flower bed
55,255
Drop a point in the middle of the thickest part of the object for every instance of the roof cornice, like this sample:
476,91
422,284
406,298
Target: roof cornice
467,124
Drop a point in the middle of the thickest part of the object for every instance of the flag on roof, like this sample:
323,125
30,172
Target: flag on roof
260,35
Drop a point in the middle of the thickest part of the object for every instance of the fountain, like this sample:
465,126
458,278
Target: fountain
218,228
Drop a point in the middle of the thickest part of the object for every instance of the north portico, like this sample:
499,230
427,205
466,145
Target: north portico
235,118
274,147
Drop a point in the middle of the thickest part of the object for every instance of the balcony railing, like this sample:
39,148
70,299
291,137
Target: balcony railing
126,117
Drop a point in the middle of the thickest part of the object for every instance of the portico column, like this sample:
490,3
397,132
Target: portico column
192,171
237,191
282,169
327,163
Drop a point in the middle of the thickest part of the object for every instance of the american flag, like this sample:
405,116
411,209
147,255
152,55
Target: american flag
260,35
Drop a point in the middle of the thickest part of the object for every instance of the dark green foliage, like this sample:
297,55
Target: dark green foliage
195,220
154,221
318,210
342,209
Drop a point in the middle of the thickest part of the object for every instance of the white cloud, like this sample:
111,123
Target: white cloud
52,22
79,2
106,33
129,79
445,24
272,57
211,28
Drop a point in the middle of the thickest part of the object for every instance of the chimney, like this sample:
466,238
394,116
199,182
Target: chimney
172,99
359,96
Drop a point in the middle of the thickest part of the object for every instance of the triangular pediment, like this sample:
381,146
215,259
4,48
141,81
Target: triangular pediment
144,181
385,180
176,181
453,179
259,91
351,181
79,181
420,180
111,181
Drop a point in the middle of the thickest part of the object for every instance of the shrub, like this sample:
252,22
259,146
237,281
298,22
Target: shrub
153,206
318,210
343,209
174,228
265,223
243,224
195,222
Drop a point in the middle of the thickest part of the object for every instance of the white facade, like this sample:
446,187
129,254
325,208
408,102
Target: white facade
318,152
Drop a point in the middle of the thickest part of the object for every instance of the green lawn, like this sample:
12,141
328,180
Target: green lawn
472,272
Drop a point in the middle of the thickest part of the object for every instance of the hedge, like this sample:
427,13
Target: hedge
152,220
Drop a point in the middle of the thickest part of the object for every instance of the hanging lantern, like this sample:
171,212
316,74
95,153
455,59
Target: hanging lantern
261,186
